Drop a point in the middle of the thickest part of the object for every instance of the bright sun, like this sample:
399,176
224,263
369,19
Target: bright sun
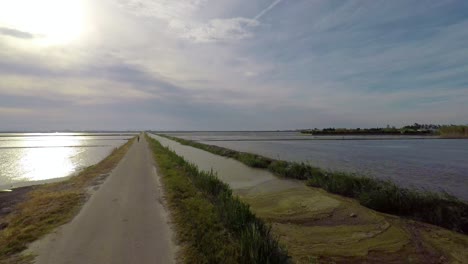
52,22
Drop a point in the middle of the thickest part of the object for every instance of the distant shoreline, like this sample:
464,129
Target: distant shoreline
319,138
327,138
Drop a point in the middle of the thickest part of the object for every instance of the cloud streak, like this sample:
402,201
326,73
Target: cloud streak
15,33
266,10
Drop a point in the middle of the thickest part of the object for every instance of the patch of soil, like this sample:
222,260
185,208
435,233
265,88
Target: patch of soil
416,251
425,252
337,217
406,255
8,200
341,216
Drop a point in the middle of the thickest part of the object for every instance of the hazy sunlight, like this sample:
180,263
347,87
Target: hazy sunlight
51,22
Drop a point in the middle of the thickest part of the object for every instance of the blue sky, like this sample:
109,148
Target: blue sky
231,65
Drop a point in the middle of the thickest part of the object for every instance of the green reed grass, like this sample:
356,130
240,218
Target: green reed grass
215,225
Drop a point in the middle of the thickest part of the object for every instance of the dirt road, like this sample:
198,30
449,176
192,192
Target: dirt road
123,222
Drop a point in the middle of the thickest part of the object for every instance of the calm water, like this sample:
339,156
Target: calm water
434,164
37,157
241,178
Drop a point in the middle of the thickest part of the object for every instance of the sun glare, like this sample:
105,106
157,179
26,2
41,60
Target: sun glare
48,158
51,22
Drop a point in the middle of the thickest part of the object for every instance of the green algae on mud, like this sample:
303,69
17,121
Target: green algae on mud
292,205
453,244
316,225
312,223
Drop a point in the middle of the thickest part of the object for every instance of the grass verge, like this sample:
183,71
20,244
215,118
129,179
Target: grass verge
49,206
381,195
213,225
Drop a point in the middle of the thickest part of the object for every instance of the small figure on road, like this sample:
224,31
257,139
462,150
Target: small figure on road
138,138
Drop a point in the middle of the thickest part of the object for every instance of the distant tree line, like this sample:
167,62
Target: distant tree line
414,129
422,126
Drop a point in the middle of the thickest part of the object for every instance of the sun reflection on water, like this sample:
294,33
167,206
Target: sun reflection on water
49,158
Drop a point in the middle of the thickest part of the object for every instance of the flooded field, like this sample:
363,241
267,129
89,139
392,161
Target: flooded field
30,158
241,178
428,163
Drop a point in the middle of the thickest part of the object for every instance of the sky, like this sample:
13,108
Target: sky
231,65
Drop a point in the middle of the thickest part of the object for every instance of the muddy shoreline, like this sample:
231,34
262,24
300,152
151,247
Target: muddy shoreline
9,201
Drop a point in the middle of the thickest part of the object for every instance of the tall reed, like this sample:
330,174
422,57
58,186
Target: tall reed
244,238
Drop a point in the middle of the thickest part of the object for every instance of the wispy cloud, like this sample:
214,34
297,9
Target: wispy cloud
180,17
217,30
162,9
15,33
